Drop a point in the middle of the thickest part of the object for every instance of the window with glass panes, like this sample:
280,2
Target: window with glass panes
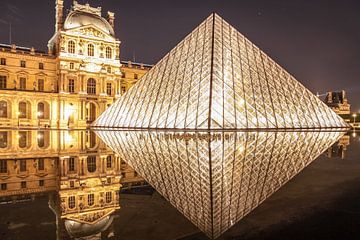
108,197
91,199
108,89
41,183
41,65
3,82
22,165
41,165
41,85
22,63
3,166
3,186
23,184
91,163
108,162
71,202
71,164
3,61
22,83
71,85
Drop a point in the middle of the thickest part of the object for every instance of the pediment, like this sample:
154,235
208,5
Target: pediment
92,31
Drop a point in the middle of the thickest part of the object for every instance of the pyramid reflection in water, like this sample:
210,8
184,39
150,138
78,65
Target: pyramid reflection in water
215,179
217,79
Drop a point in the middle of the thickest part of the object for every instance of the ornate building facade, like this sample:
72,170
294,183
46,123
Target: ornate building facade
74,81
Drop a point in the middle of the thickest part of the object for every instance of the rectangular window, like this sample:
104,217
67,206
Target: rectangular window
91,199
71,164
22,165
41,165
3,186
108,162
3,82
108,89
71,202
41,65
22,83
136,76
108,197
71,66
3,166
41,183
23,184
71,85
22,63
40,85
3,61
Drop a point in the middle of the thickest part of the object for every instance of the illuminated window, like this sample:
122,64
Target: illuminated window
3,61
41,110
3,82
71,86
71,164
24,139
41,165
41,65
71,47
108,52
91,86
40,85
91,164
22,63
91,199
71,202
108,89
23,108
3,109
3,139
90,50
22,83
108,197
23,184
3,166
41,139
108,162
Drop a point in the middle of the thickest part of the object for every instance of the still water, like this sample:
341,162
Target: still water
163,185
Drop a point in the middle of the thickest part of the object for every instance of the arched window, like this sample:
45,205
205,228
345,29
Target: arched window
24,139
23,110
90,50
43,139
91,164
71,47
41,110
91,86
3,109
108,52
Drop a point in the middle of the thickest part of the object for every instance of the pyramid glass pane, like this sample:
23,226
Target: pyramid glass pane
217,79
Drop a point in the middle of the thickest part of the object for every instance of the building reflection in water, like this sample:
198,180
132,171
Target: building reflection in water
215,179
338,149
81,175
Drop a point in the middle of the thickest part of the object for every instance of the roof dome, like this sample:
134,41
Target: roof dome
78,19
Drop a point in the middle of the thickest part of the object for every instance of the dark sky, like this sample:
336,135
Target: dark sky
318,41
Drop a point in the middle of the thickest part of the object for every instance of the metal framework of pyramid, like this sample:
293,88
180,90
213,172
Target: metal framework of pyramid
216,179
217,79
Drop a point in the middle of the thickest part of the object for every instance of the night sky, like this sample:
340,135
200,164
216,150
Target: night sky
317,41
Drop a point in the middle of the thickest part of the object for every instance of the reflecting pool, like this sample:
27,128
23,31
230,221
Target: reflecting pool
176,185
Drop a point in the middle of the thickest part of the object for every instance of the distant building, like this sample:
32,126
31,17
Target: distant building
338,149
338,102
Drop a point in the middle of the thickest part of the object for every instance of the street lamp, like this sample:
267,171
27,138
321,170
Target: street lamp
354,116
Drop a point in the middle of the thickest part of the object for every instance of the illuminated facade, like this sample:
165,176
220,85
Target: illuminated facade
338,102
217,79
72,83
215,179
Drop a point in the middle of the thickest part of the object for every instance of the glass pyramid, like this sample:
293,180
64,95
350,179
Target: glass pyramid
217,79
215,179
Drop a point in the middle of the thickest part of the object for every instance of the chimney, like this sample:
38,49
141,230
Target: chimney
111,18
59,6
